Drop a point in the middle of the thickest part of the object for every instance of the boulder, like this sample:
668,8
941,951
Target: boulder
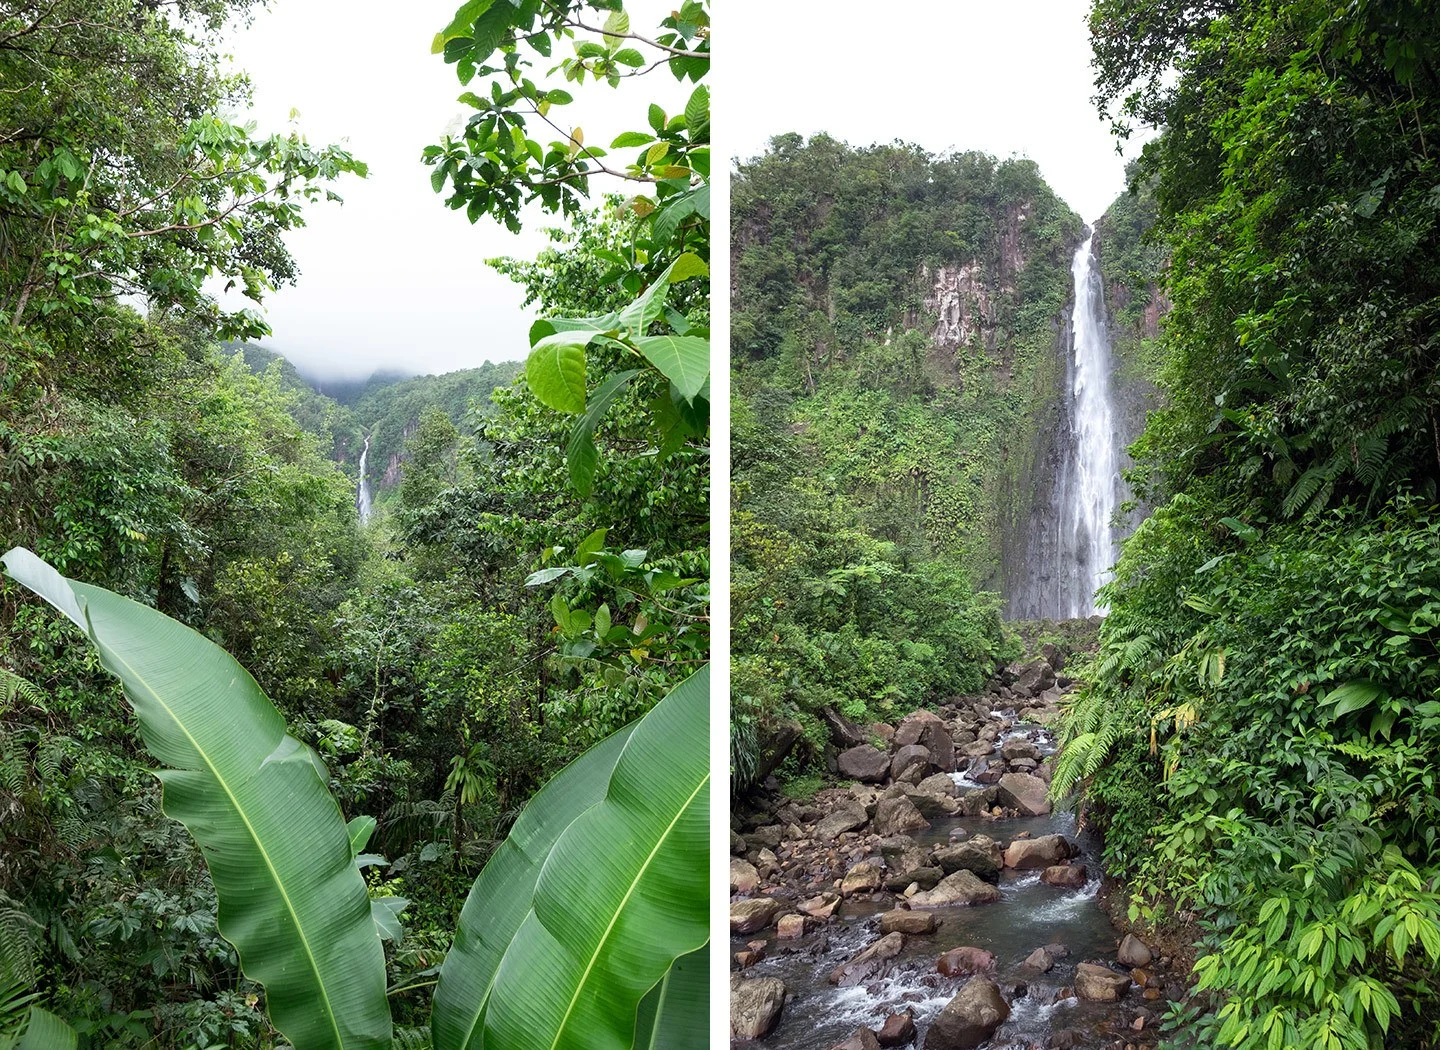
1033,678
896,816
1069,876
925,878
848,817
970,1018
961,887
987,770
843,732
1133,952
981,854
767,837
755,1004
936,784
743,876
1041,853
1017,748
738,845
863,877
933,805
863,763
897,1030
1100,983
753,913
930,731
790,927
911,922
1026,793
867,962
863,1039
961,962
1039,960
909,758
821,906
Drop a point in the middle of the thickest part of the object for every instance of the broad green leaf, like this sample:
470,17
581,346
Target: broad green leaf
291,899
555,371
687,266
622,894
682,359
615,28
697,111
1352,696
675,1014
463,20
589,545
499,901
45,1031
360,829
385,911
656,117
650,305
628,56
580,454
631,138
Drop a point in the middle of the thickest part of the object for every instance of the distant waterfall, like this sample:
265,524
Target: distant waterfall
1072,545
362,501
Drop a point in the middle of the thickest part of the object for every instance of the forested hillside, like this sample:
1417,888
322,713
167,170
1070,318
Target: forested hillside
897,332
434,673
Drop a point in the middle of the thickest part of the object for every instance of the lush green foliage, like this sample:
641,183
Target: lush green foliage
1261,736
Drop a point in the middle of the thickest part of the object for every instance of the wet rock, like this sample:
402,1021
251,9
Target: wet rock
821,906
863,763
1026,793
843,732
908,758
975,803
863,1039
1069,876
1066,1039
738,845
912,922
1057,951
861,878
755,1004
1053,656
897,1030
848,817
933,806
768,836
963,961
748,958
929,731
1133,952
754,913
987,770
924,878
743,876
1044,852
867,962
895,816
1039,960
970,1018
981,854
790,927
1024,765
1019,747
766,863
980,748
1100,983
961,887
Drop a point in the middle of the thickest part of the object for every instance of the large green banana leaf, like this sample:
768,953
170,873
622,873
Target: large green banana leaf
292,900
606,888
675,1015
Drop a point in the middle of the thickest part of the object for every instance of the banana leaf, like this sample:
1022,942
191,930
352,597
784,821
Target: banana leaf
292,901
675,1015
606,887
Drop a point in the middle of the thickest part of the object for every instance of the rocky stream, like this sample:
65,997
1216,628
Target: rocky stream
937,901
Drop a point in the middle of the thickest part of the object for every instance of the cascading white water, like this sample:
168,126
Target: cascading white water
1095,477
362,501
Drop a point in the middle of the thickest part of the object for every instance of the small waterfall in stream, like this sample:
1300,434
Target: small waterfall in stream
1072,544
362,499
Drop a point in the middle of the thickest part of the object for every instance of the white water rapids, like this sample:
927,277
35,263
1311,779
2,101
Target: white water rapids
362,500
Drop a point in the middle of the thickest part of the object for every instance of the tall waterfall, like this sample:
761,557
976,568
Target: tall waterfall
362,501
1071,544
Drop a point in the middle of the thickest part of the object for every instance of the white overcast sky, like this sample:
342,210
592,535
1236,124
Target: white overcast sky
1009,77
392,278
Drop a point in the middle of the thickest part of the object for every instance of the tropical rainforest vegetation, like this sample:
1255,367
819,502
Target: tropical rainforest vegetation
414,694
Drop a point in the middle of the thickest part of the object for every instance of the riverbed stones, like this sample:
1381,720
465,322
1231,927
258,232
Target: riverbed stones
924,878
1019,748
867,962
768,836
1133,952
897,1030
980,854
847,817
754,913
1067,876
1100,983
821,906
790,927
959,888
930,731
1026,793
896,816
755,1005
908,760
937,784
1039,960
1033,678
908,921
743,876
863,763
1041,853
970,1018
864,877
964,961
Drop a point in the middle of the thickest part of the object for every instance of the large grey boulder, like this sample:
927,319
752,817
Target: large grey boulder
753,913
898,816
1133,952
869,961
1033,678
960,888
980,854
909,759
755,1004
970,1018
1044,852
846,818
863,763
743,876
904,921
1100,983
1025,792
928,729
